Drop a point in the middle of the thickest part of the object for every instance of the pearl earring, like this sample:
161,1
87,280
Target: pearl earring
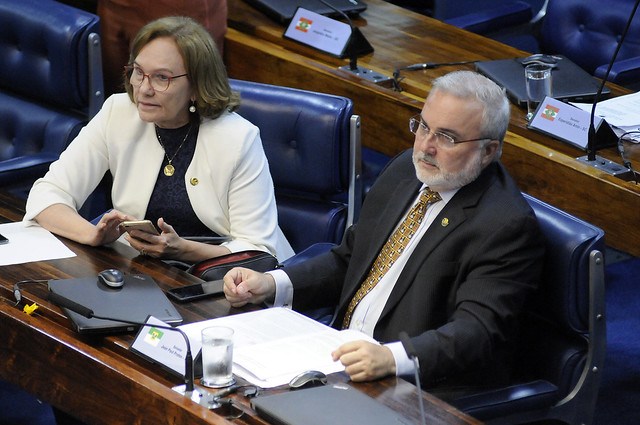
192,108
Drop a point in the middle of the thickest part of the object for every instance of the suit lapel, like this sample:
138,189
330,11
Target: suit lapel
450,218
388,218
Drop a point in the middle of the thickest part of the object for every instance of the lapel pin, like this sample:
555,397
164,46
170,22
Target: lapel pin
445,222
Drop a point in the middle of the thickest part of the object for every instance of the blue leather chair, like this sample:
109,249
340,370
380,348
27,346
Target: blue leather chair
562,345
50,85
563,341
585,31
312,142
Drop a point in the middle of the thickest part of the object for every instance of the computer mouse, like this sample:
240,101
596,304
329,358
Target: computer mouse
113,278
308,379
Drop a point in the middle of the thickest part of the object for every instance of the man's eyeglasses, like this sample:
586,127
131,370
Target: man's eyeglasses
420,128
158,81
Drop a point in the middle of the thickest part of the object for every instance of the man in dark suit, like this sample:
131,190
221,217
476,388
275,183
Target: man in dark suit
464,270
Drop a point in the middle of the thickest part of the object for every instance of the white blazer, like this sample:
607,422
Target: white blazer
228,181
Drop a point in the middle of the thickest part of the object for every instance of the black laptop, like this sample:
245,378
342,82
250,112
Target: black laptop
339,404
138,298
282,11
570,83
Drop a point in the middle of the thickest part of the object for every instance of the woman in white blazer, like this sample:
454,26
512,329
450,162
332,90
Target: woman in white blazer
178,155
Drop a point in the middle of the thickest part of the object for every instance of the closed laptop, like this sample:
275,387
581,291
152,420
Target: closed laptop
282,11
330,404
570,83
138,298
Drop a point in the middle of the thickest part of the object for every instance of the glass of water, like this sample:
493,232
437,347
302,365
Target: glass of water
539,85
217,357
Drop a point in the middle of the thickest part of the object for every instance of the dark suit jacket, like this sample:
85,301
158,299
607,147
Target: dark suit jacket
460,293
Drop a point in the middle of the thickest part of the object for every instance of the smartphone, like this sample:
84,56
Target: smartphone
196,291
144,225
3,240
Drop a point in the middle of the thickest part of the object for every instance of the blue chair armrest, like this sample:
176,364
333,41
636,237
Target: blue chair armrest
34,165
504,401
310,252
623,71
502,16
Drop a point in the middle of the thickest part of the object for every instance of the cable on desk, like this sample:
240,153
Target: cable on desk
625,161
16,287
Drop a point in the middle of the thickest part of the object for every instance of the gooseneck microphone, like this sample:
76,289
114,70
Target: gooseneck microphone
65,302
357,43
421,66
592,139
413,355
432,65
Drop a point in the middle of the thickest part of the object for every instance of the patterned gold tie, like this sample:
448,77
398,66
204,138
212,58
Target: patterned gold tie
392,249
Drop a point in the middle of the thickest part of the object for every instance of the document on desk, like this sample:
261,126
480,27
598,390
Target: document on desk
30,243
273,345
622,112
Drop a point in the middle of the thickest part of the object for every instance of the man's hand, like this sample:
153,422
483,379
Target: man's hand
242,286
365,361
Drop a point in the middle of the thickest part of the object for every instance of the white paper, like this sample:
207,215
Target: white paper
621,111
30,243
273,345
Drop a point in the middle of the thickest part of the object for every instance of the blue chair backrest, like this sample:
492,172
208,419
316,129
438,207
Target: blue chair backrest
307,142
556,342
45,52
588,31
50,83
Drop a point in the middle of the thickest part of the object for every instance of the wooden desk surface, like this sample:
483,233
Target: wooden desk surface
98,379
544,167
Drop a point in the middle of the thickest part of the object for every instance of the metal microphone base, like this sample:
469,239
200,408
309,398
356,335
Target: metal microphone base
198,395
604,165
368,74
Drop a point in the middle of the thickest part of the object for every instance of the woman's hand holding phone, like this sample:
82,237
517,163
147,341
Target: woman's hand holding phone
142,225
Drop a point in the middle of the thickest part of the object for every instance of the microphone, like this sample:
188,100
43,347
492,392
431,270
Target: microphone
592,137
413,355
419,66
65,302
432,65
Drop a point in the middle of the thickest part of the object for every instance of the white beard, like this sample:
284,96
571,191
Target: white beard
443,180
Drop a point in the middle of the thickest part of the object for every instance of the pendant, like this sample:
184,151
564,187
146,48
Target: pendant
169,170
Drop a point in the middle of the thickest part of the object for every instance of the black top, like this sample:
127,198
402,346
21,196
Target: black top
169,199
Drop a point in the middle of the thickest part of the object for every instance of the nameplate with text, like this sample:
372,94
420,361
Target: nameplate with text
566,122
163,346
319,32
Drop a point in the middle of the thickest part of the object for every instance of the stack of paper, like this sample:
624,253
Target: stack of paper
622,113
273,345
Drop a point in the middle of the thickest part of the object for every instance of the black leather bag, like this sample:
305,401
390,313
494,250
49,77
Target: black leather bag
216,268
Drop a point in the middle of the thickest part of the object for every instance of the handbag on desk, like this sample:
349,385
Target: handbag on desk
215,268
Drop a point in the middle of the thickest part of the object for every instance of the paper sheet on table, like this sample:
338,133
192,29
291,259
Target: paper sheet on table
30,243
273,345
622,112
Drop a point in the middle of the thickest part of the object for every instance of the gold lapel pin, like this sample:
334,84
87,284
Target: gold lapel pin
445,222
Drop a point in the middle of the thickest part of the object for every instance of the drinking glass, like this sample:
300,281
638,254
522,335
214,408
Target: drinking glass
217,357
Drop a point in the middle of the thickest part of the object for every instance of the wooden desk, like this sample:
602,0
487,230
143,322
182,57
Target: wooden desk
544,167
98,379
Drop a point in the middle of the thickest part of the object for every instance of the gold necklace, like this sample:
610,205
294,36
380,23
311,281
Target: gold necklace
169,169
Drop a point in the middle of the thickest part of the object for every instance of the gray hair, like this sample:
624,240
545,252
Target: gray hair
492,98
